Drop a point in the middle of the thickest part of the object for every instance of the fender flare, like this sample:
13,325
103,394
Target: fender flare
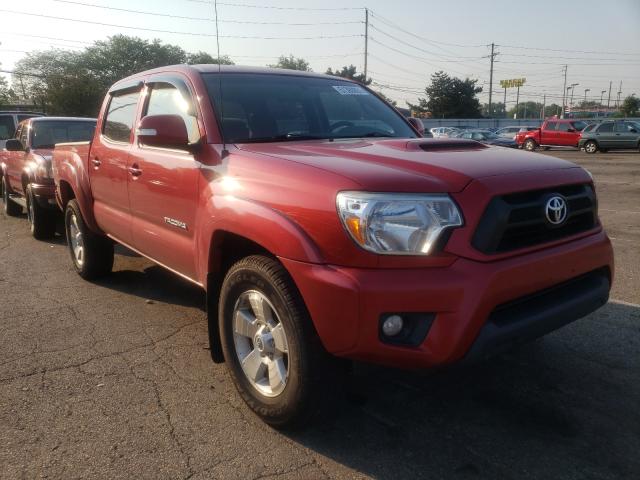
78,180
259,223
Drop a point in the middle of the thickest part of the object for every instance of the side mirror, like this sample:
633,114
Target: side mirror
633,130
417,124
14,145
571,129
167,131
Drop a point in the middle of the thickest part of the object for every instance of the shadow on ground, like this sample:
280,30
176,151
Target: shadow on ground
564,406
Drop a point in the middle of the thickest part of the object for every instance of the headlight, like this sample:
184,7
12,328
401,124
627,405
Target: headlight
400,224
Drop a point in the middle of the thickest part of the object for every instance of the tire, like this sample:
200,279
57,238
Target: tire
91,254
289,374
10,208
590,147
530,145
41,220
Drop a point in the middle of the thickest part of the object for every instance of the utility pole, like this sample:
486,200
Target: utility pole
601,95
585,94
544,106
564,92
505,102
366,41
619,92
492,56
517,100
609,99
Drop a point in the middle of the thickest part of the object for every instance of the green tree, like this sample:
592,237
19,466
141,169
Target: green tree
497,110
553,109
526,110
351,73
7,95
630,106
74,83
292,63
200,58
450,97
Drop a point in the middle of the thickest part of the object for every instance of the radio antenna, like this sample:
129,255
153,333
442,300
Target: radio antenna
224,146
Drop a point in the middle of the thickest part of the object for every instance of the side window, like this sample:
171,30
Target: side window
564,127
120,116
622,127
6,127
165,99
552,126
24,117
606,127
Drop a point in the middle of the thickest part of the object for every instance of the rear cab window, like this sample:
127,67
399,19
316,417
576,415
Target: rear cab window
552,126
121,115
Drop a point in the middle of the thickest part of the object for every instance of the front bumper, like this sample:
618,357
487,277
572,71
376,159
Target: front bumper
346,304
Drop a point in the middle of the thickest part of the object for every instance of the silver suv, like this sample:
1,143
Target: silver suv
9,121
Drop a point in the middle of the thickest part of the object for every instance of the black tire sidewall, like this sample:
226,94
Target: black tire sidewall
274,410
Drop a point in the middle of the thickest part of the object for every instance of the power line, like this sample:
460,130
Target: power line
568,51
319,37
278,8
201,19
393,25
30,35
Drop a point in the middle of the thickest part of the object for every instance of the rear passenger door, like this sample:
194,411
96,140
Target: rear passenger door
549,134
109,164
625,137
605,135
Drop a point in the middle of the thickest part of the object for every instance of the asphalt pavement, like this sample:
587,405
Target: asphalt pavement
113,379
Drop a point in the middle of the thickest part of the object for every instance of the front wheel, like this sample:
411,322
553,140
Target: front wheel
92,254
41,220
530,145
591,147
270,345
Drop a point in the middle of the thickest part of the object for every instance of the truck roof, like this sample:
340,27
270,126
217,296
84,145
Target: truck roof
214,68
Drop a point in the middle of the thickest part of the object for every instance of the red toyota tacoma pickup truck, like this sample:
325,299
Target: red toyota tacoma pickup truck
25,168
552,133
322,226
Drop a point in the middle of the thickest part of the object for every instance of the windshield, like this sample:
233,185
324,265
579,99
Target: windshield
46,133
268,107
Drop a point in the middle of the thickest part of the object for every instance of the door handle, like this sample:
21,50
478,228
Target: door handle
96,162
134,170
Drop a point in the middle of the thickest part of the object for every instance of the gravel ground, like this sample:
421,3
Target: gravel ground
114,380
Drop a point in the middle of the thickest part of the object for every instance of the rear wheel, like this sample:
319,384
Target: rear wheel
270,346
92,254
41,220
591,147
530,145
10,208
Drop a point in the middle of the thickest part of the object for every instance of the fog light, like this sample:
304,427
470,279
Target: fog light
392,325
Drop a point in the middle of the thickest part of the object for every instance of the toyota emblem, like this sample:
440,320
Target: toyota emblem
556,210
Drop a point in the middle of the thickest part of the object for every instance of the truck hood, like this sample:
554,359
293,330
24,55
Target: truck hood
416,165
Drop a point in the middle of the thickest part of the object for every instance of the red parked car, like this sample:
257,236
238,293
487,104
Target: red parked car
552,133
25,168
322,226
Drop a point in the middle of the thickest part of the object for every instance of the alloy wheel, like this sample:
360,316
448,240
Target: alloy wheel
260,343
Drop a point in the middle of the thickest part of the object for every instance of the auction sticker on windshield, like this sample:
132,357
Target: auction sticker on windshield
350,90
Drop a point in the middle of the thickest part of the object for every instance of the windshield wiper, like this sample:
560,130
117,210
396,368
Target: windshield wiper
370,135
283,138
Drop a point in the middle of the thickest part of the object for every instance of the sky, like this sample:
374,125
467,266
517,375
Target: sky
599,41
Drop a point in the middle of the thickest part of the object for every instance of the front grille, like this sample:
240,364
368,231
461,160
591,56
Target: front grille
517,220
